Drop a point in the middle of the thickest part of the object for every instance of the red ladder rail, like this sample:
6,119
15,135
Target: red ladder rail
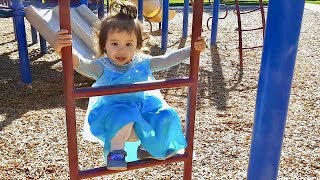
72,93
240,30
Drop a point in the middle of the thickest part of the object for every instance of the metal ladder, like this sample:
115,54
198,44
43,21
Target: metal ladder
240,30
72,93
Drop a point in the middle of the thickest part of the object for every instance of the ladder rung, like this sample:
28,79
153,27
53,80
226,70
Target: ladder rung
131,166
246,12
254,29
127,88
251,47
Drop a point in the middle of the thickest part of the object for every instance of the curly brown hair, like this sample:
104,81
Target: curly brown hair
122,17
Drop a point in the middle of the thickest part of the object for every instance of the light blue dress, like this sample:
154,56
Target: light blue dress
156,124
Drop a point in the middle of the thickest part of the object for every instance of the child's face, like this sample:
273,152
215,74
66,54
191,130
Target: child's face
121,46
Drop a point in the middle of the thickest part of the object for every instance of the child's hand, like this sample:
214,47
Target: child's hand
62,39
200,45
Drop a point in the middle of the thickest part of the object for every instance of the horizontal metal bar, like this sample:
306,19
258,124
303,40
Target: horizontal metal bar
246,12
100,171
127,88
253,29
252,47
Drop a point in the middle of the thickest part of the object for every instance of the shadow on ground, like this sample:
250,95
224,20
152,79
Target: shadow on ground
45,91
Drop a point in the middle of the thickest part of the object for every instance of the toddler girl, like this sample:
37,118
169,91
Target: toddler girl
115,119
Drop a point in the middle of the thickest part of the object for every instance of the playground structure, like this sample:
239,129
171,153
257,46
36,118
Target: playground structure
15,9
238,12
268,129
46,22
153,11
266,88
191,82
241,30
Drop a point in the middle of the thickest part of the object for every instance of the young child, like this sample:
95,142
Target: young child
115,119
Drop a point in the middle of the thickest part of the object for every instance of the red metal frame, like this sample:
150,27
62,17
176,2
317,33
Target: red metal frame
240,30
71,94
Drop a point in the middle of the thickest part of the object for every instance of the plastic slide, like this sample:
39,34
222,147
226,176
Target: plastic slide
83,21
46,22
152,10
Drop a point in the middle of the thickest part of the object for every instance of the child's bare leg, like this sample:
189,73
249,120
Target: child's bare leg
116,156
133,137
118,141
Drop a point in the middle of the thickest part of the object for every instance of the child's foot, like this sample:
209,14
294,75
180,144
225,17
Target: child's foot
143,154
116,160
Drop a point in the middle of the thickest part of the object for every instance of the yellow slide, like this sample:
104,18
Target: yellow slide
152,10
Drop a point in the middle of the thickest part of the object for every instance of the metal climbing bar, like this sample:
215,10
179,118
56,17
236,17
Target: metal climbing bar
274,86
253,29
64,15
20,32
117,89
240,30
247,12
100,171
72,93
165,24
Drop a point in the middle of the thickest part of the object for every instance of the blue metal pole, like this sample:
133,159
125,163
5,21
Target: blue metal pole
14,26
165,24
101,9
38,2
277,66
34,35
85,2
185,18
214,24
140,10
18,15
43,45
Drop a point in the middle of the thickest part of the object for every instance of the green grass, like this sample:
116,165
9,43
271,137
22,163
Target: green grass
231,2
228,2
313,1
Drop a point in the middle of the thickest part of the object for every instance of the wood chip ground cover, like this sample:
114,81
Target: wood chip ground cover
32,117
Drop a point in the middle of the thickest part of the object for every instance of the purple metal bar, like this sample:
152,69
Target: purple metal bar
276,74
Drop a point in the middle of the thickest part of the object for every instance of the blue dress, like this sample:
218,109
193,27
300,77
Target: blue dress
156,124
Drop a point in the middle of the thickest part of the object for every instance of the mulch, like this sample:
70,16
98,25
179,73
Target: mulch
32,116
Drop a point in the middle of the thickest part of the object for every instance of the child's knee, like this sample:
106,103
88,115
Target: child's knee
133,136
